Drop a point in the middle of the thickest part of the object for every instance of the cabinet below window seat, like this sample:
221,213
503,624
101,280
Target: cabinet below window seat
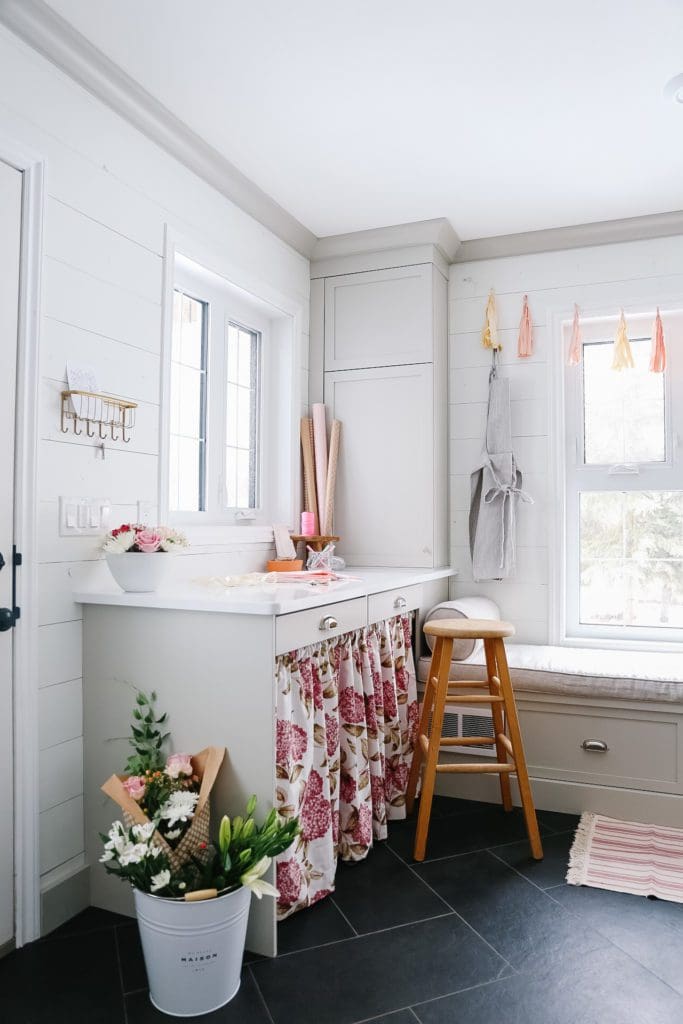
583,672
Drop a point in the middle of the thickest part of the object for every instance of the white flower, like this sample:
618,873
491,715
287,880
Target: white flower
252,879
174,833
160,881
171,539
154,851
107,855
133,853
180,806
144,832
120,544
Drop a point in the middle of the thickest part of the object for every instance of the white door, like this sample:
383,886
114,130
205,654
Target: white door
384,503
10,240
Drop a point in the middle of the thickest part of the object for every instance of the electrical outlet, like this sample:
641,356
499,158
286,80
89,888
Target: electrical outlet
83,517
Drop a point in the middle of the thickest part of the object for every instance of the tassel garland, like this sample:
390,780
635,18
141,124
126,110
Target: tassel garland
623,356
576,343
658,353
525,342
489,334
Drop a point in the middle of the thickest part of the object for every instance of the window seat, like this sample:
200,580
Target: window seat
583,672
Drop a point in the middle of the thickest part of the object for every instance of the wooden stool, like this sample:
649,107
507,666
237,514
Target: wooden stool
508,741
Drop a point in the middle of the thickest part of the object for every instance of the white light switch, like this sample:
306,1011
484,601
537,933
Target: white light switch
83,517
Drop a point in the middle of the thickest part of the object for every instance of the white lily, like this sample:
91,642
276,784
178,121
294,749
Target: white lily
107,855
252,879
144,832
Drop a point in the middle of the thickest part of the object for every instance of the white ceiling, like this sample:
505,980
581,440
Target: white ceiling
501,116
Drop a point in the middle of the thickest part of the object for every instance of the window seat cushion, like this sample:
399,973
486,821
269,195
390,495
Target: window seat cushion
583,672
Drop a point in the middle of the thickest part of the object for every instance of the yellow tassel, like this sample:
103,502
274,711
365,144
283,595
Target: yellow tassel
489,334
623,356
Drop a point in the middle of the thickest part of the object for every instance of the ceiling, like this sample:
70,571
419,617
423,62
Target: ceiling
501,117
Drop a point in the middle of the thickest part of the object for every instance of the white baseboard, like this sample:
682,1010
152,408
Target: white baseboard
63,900
572,798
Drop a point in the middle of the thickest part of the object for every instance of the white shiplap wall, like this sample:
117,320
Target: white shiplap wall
109,194
601,279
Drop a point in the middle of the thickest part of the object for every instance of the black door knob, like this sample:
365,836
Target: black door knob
6,619
2,561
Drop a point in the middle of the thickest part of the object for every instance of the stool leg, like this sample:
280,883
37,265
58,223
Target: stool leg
423,727
434,741
498,726
518,748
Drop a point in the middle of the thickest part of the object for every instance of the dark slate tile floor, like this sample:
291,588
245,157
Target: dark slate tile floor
479,932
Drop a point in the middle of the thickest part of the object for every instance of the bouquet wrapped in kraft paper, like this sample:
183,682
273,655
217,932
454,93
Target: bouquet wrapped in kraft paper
172,793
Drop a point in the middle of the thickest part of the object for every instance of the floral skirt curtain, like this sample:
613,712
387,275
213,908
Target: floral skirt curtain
347,715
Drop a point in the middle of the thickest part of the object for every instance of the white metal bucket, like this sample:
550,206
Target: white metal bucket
193,951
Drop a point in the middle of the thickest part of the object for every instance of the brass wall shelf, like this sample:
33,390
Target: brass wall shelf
97,410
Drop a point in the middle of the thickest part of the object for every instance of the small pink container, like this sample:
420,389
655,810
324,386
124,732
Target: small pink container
308,524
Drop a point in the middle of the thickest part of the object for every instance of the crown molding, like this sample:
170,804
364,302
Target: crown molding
438,233
606,232
53,37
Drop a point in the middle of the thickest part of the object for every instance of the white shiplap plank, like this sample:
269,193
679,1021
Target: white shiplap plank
467,350
85,244
60,655
77,298
624,261
61,834
471,383
61,773
528,419
60,713
122,476
121,369
57,582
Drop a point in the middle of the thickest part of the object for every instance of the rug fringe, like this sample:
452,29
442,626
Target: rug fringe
578,855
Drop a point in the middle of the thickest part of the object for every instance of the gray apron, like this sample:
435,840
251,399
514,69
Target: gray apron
496,487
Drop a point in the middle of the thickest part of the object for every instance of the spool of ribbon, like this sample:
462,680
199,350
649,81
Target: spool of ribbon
307,524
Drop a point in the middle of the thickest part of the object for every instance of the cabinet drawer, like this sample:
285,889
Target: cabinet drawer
298,629
641,752
393,602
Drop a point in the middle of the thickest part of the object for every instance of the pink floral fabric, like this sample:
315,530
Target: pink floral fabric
347,714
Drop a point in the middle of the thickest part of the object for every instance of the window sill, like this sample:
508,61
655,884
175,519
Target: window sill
201,535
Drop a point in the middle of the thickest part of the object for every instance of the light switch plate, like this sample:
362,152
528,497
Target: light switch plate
83,517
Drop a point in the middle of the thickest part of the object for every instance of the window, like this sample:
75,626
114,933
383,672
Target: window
624,489
215,398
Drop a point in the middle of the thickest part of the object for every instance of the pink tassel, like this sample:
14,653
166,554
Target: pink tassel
525,343
658,353
576,344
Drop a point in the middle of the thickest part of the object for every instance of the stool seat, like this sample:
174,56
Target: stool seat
506,734
469,629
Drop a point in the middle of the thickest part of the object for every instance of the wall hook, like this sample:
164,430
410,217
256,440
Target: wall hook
88,425
111,430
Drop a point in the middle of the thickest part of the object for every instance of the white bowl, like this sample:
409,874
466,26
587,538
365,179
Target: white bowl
139,572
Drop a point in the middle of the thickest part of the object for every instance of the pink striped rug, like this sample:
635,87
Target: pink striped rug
627,856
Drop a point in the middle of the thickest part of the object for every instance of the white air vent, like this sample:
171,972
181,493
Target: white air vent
464,721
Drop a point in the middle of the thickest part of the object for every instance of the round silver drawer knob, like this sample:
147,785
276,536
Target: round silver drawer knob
329,622
595,746
400,602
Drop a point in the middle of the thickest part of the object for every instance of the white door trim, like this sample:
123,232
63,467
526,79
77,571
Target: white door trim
25,695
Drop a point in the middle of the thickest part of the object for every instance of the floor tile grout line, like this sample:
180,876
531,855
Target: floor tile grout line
519,873
260,993
120,973
466,853
363,935
411,1010
611,942
339,909
459,916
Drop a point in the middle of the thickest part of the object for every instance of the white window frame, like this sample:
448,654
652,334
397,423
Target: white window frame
280,317
573,476
225,308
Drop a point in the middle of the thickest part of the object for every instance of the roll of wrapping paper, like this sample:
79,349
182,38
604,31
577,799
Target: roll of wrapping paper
310,501
331,476
320,450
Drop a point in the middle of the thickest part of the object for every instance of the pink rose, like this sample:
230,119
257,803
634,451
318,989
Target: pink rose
134,786
148,540
178,764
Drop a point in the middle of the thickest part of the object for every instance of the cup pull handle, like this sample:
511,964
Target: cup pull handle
329,622
400,602
595,746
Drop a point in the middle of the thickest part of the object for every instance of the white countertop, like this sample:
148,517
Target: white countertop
265,599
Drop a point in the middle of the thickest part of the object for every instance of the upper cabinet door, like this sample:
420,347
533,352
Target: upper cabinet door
379,318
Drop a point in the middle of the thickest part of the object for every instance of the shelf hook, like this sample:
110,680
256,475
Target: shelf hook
88,425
